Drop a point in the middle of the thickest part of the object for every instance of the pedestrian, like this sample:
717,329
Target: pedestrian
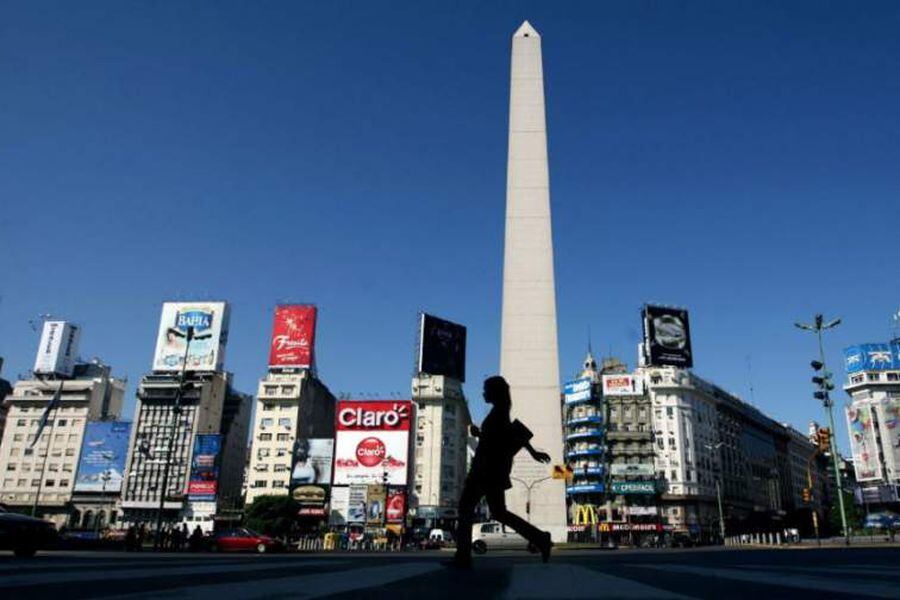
141,534
183,538
499,440
130,538
196,539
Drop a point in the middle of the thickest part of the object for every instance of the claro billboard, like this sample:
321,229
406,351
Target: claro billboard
372,445
207,350
293,336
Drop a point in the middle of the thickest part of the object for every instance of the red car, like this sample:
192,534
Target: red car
244,540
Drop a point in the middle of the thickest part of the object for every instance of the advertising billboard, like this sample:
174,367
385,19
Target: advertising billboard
356,504
633,487
58,349
372,445
442,347
207,350
339,505
311,474
872,357
862,442
577,391
622,385
103,452
395,511
376,496
667,337
889,426
203,483
293,336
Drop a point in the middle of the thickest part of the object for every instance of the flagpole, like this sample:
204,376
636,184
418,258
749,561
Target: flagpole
52,415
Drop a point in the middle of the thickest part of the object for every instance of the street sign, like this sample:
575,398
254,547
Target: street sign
633,487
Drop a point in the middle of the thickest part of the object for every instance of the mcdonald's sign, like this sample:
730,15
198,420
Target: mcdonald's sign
586,514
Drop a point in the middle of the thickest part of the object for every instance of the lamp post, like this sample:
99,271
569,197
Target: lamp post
104,477
824,384
714,447
188,336
528,488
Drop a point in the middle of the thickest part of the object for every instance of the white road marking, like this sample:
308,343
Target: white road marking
557,580
301,586
858,587
82,573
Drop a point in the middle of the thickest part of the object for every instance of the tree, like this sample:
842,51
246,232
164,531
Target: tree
272,515
854,517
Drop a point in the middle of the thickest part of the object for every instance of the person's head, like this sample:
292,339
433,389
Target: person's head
496,392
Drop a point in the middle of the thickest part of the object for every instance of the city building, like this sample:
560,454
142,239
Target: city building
440,458
5,390
529,358
289,406
585,455
873,420
41,476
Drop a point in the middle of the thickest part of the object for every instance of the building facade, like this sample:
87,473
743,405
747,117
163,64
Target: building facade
41,475
441,451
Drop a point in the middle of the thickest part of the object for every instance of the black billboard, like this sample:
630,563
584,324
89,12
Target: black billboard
442,348
667,337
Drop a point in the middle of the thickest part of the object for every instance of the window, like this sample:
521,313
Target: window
18,437
284,422
22,482
70,451
13,451
268,407
270,390
50,483
260,483
281,468
61,422
262,453
21,422
670,412
265,437
11,467
287,390
283,437
278,483
35,482
63,483
267,422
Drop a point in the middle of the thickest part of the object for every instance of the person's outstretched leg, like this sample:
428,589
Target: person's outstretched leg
540,539
468,500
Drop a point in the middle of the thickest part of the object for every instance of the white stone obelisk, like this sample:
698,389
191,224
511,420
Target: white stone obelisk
528,348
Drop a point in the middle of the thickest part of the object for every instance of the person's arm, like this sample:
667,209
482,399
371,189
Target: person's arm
542,457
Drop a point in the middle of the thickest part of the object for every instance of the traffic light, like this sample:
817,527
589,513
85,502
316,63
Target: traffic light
823,439
822,379
807,496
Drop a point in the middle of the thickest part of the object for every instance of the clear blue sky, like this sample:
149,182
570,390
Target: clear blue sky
740,159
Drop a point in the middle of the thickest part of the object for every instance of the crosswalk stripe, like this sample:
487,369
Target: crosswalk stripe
836,569
570,581
84,573
858,587
306,586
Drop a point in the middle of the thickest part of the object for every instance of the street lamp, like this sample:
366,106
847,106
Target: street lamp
714,447
823,382
189,336
528,488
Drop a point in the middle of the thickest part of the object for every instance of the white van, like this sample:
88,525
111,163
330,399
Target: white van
496,536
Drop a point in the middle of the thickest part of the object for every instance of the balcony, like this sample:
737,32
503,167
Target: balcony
585,434
584,420
619,435
579,472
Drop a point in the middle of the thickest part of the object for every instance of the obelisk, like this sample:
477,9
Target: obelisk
528,348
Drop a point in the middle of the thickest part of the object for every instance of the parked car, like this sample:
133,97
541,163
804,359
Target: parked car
25,535
243,540
496,536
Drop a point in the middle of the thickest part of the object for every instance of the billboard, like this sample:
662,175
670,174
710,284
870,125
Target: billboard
311,474
356,504
58,349
442,348
376,496
633,487
667,337
372,444
339,505
889,427
622,385
204,480
207,351
577,391
293,336
631,469
395,511
872,357
103,453
862,442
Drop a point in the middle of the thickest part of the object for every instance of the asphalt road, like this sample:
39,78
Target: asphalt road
652,574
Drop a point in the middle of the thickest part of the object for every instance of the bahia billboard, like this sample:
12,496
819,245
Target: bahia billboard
293,337
207,349
203,484
58,349
102,461
372,445
667,337
442,348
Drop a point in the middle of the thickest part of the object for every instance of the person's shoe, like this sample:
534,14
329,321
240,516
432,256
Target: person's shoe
545,547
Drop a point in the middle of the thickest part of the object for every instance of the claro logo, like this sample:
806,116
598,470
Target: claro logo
382,416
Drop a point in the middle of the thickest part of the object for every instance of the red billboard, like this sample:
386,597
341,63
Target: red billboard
372,445
396,505
293,336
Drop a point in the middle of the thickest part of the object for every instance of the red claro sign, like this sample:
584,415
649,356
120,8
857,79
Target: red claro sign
370,452
373,415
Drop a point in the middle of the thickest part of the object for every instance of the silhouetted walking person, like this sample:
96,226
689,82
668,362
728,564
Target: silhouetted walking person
499,439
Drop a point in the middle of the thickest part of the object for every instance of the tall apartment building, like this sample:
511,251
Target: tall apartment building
873,420
43,474
441,450
584,436
289,406
5,390
209,406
